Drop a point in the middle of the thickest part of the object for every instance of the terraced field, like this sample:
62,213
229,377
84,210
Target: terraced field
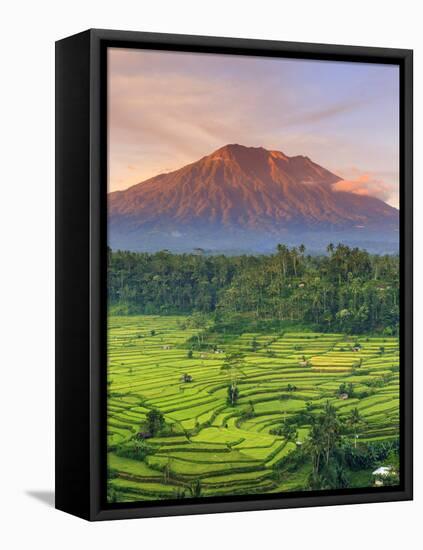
230,450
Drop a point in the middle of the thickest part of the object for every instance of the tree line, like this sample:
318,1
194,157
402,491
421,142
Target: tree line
331,448
347,290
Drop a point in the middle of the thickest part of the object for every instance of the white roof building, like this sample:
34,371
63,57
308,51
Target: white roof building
383,471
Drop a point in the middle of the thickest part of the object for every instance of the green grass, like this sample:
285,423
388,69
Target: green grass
209,441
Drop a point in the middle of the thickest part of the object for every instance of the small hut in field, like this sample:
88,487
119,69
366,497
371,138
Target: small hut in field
381,473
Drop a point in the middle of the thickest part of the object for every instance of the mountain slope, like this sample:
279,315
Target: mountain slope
241,194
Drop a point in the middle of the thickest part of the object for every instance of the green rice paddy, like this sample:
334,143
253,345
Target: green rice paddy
227,450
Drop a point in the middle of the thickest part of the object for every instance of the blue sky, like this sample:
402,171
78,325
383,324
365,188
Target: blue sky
168,109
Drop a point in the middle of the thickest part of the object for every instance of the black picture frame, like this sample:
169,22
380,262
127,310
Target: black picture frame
81,236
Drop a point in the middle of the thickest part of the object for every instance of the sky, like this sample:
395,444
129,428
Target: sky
168,109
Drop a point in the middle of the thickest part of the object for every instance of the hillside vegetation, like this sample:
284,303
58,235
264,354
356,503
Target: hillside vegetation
349,290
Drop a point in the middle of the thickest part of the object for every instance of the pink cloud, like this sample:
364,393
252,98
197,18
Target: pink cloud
364,184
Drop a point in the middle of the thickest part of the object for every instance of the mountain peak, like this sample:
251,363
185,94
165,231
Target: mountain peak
252,161
235,149
244,190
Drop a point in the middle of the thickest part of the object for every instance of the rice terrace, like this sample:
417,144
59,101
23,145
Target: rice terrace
231,402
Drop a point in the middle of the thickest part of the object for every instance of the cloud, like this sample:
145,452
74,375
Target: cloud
327,113
367,185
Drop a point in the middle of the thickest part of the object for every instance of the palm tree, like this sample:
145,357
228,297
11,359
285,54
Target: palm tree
294,256
315,445
282,253
196,489
354,421
331,428
289,431
233,393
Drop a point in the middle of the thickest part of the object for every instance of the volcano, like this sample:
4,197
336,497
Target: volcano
247,199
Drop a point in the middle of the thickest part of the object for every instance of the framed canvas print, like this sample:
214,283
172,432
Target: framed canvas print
234,274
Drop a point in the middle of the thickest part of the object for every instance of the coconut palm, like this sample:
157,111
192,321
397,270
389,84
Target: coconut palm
354,421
